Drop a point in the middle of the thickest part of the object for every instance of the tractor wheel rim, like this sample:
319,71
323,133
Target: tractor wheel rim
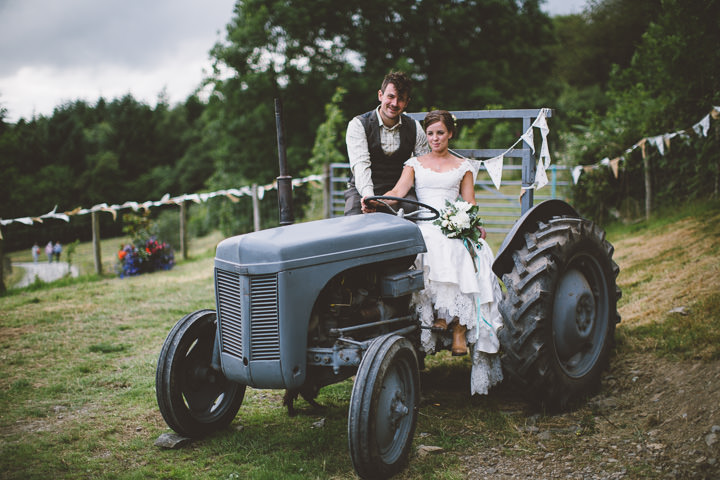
580,315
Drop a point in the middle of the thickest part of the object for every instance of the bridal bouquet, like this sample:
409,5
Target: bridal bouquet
461,220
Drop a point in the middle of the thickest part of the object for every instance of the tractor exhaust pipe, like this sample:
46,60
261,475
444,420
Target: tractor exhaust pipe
284,181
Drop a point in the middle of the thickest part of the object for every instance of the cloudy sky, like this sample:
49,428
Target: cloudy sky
55,51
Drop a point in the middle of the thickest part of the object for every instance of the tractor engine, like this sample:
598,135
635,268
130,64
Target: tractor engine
368,295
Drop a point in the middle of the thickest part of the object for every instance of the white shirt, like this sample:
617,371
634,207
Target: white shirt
359,153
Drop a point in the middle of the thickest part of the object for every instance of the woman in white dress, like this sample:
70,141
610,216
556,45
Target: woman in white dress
461,294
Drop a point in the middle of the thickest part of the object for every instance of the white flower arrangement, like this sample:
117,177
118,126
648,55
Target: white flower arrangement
461,220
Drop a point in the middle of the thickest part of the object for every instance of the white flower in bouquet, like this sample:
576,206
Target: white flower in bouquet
461,220
463,206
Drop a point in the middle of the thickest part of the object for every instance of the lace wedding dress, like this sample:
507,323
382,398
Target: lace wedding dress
452,286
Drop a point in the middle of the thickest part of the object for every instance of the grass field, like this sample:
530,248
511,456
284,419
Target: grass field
77,378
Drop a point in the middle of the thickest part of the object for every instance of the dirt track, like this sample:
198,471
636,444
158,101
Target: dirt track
45,271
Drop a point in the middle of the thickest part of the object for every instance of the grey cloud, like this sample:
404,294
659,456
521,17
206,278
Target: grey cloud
80,33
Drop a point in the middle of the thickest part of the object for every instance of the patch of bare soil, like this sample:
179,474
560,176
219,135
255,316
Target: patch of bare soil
653,419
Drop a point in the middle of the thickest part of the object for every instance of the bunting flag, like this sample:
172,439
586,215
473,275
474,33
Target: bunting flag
527,137
541,124
494,167
541,178
660,142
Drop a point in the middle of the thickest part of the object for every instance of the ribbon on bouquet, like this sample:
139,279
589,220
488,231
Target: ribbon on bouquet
473,253
479,317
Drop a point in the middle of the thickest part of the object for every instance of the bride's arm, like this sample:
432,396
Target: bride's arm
467,188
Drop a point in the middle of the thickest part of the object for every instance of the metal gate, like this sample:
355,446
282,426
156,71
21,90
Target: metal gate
500,208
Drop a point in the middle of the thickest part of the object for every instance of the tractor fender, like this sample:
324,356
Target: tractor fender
541,212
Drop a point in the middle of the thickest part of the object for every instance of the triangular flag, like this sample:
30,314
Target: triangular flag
703,126
541,123
614,166
494,167
576,171
528,138
541,178
658,143
475,166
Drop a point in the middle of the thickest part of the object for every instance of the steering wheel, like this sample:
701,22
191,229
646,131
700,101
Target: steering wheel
434,213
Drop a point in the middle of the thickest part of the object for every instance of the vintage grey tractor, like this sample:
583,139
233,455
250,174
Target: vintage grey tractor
302,306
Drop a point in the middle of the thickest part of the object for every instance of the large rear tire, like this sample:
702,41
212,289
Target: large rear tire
194,399
560,312
384,408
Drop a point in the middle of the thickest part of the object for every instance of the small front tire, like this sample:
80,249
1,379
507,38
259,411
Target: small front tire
384,407
194,399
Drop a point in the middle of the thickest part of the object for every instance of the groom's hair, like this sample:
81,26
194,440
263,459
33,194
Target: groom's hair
403,83
440,116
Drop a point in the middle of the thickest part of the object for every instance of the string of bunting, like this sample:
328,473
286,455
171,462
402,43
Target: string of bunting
660,142
233,194
494,166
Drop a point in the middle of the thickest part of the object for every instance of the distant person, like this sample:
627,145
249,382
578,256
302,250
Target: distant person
35,252
57,250
380,141
49,251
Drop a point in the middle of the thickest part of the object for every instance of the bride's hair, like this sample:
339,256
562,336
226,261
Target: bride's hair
440,116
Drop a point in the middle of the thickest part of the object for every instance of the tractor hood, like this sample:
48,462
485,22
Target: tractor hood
373,237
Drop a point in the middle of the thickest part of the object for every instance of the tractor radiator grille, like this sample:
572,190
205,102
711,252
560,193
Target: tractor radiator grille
230,312
264,330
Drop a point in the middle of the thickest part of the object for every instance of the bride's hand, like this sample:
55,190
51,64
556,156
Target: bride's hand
483,233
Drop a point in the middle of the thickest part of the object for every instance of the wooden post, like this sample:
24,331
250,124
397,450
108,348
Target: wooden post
256,207
2,265
96,242
327,191
183,230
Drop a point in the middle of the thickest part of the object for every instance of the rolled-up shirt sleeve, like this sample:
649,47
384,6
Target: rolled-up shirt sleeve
359,155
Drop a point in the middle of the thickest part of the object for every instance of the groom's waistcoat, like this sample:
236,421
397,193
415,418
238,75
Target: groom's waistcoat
386,169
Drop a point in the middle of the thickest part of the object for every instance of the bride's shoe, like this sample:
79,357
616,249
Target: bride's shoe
459,345
440,325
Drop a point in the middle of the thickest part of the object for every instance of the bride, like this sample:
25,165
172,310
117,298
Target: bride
461,294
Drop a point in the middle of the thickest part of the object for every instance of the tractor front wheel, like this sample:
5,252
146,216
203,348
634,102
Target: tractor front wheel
194,399
384,407
560,311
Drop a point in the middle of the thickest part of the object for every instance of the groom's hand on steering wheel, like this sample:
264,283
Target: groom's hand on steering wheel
368,207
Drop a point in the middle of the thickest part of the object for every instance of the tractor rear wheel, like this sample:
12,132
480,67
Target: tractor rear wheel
560,311
194,399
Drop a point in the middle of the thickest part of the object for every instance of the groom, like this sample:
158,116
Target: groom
379,142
